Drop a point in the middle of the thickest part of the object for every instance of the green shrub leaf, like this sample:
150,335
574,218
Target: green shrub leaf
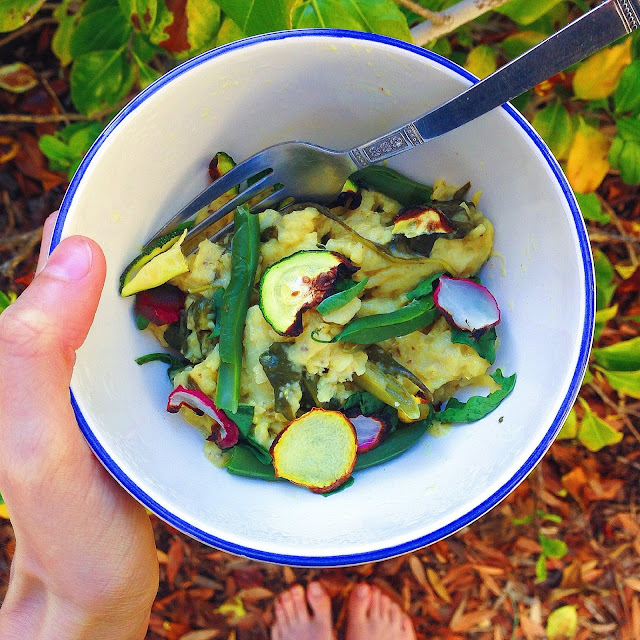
624,382
594,433
591,208
622,356
253,17
15,13
101,30
100,79
555,126
605,285
140,13
570,427
524,11
375,16
627,95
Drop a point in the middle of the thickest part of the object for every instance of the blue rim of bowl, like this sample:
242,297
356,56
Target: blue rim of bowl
483,507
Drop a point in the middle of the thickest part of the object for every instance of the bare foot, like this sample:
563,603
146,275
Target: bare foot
374,616
293,620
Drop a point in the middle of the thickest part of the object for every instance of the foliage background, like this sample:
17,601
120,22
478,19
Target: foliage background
561,556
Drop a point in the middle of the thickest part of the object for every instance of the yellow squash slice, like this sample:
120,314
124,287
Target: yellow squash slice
316,451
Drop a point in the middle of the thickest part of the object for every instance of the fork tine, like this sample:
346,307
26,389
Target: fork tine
233,178
255,189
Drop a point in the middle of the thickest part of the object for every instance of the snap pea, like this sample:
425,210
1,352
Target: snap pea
245,251
418,314
393,184
339,299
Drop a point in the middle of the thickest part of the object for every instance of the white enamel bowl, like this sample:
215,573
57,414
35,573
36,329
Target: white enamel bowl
337,89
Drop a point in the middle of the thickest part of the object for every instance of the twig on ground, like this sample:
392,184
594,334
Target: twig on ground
29,240
34,25
451,18
56,100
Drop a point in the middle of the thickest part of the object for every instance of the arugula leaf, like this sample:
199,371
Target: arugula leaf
485,345
477,407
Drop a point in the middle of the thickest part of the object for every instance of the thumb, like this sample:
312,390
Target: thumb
39,334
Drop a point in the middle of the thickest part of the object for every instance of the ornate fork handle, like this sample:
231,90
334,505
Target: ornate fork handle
582,37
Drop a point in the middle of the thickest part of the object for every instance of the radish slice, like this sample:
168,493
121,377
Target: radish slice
466,305
370,431
161,305
224,432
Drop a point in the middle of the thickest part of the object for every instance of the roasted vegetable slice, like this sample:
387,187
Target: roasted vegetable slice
160,262
421,220
316,451
297,283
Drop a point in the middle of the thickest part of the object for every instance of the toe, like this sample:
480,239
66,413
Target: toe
298,611
288,609
359,602
375,609
319,601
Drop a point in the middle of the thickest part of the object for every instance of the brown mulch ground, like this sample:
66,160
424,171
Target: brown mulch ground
479,583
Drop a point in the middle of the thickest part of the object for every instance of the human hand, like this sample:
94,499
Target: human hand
85,564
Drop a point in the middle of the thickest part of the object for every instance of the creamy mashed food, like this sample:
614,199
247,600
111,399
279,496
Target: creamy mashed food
442,365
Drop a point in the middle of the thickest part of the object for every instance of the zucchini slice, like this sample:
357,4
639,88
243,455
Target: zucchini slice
297,283
160,262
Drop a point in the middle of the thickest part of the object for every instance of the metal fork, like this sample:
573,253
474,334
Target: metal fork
304,171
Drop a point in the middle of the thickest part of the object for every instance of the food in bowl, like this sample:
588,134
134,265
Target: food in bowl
315,341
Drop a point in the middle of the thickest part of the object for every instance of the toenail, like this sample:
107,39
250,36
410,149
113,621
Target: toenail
361,590
315,589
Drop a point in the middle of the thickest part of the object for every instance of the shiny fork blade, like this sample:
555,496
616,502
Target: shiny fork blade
234,178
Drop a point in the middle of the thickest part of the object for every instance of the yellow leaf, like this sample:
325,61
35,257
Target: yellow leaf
598,76
3,511
570,427
588,163
625,271
233,607
481,61
562,623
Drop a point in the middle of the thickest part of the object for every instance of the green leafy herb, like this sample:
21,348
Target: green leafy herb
141,323
176,364
621,356
364,402
477,407
396,444
393,184
418,314
341,298
281,374
346,484
485,345
245,462
425,288
243,418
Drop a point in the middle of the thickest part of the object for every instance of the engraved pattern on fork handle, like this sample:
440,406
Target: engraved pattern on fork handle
387,146
629,11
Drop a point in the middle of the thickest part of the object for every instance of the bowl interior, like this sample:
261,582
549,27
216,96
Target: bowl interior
337,90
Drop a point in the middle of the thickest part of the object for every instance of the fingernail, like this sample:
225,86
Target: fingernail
70,260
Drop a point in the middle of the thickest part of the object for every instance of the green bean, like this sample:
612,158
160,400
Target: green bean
245,250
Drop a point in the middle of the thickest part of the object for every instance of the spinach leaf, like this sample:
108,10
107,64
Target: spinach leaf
425,288
347,483
175,363
244,462
376,328
393,184
364,402
281,373
477,406
485,345
243,418
339,299
396,444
